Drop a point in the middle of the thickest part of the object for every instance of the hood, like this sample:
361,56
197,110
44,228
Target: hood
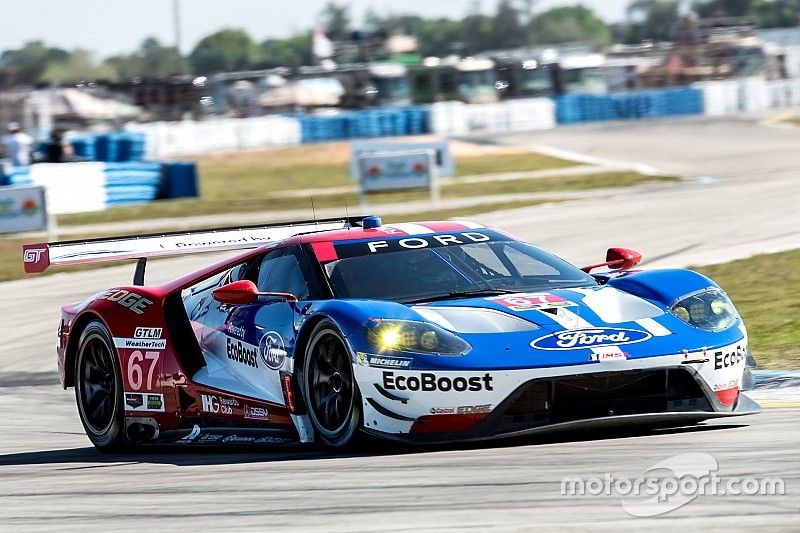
568,327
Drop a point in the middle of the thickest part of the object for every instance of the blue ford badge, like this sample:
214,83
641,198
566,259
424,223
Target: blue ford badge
272,350
589,338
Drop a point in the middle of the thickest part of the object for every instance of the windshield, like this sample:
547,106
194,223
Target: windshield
432,267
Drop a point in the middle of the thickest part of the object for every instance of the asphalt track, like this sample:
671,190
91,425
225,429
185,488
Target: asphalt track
747,202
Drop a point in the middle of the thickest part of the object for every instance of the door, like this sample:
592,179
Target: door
247,345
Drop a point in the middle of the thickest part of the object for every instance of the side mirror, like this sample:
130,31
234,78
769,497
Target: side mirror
245,292
617,259
241,292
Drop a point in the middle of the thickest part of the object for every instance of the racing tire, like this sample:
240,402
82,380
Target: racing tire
329,387
98,389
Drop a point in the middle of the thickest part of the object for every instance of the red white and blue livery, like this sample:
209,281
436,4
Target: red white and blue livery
319,331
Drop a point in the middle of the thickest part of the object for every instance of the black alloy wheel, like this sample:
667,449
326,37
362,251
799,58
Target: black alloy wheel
98,388
330,389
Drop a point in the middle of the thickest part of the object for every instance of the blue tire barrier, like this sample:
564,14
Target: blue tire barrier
112,147
381,122
179,180
578,108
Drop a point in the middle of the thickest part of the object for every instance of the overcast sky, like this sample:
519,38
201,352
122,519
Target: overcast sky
114,26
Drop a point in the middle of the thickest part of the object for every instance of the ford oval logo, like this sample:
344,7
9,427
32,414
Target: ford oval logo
589,338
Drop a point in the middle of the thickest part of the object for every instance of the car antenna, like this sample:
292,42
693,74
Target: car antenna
347,214
313,211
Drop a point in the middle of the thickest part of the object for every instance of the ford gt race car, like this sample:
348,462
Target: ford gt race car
423,332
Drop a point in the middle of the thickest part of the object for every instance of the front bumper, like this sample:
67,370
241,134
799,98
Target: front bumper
461,406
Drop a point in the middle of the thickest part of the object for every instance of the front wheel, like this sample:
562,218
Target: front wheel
98,389
329,387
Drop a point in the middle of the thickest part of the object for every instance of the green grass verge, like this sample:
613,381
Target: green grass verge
764,290
261,200
247,181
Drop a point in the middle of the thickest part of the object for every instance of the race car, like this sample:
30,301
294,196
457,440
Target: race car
320,331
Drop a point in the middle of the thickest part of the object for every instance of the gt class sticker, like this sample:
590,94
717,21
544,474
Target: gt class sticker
531,301
589,338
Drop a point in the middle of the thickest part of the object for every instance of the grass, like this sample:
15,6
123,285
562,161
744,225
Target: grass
246,182
764,290
254,200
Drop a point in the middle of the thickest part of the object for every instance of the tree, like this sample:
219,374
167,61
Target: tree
78,66
570,24
26,65
226,50
508,32
652,19
336,21
292,52
151,60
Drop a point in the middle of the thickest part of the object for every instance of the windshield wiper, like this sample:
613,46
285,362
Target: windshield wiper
462,294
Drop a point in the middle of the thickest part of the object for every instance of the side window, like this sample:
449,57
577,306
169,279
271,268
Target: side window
282,271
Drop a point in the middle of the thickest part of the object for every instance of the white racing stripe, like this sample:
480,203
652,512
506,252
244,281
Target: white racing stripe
653,327
469,224
568,319
410,229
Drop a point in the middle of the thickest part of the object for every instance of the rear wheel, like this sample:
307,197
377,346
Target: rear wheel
329,387
98,388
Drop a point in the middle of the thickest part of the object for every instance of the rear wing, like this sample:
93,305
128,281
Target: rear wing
39,257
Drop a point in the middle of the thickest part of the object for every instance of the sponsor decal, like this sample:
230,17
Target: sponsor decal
133,401
189,437
727,360
209,438
236,331
218,404
32,255
135,344
136,401
271,440
345,249
135,302
242,353
272,350
428,382
462,410
155,402
362,359
609,356
531,301
589,338
147,333
238,439
255,413
389,362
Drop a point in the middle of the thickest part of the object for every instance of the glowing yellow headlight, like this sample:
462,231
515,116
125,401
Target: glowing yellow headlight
389,337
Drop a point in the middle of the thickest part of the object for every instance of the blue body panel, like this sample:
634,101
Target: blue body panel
513,350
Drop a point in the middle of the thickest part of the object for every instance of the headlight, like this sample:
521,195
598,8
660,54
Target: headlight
415,337
709,309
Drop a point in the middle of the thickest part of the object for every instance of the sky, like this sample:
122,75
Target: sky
109,27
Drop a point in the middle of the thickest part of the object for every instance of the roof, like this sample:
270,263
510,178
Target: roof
386,230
